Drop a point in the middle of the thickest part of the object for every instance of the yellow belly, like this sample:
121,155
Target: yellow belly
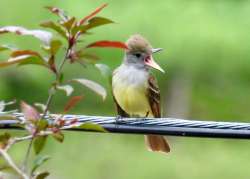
132,100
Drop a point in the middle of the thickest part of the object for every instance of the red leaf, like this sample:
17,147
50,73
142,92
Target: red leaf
72,102
106,43
73,121
30,113
61,122
92,14
24,52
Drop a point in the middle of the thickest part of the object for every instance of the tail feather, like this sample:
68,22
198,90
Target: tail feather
157,143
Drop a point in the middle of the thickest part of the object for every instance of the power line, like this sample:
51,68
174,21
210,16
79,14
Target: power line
161,126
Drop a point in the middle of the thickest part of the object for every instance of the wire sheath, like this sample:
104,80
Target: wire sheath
161,126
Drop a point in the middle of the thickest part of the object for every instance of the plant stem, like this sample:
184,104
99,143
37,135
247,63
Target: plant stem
28,137
25,162
49,100
51,92
6,156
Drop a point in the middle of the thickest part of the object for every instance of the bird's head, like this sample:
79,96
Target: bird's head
139,53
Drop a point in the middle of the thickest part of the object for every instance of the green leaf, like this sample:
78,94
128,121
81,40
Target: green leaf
7,169
61,78
4,136
42,175
32,60
27,57
24,60
66,88
4,139
76,29
105,70
46,48
7,47
55,27
92,23
42,35
58,136
69,23
55,45
92,127
40,106
93,86
39,143
42,124
81,54
29,112
98,21
52,50
39,160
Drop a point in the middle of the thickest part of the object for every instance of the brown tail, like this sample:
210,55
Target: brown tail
157,143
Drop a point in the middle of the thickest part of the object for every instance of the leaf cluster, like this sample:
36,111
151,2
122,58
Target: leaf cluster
40,124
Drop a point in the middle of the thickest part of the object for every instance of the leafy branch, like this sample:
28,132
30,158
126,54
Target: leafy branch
37,124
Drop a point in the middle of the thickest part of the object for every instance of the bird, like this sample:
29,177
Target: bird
135,89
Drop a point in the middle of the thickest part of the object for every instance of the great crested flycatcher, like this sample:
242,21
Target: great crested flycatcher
135,90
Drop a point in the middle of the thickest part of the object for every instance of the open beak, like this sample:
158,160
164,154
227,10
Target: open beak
155,50
150,62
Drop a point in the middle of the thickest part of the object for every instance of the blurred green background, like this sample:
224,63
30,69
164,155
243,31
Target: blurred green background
206,57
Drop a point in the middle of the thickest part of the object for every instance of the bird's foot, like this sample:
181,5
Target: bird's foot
145,117
118,119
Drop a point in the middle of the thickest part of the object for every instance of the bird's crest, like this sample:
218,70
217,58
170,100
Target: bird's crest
137,43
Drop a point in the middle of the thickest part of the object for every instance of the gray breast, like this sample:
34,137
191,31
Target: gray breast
129,75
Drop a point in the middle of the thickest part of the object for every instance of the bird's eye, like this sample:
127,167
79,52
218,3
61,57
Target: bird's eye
138,55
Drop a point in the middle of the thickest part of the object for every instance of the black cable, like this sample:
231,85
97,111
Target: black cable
161,126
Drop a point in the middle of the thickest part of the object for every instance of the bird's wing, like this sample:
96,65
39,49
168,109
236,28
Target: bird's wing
154,96
120,111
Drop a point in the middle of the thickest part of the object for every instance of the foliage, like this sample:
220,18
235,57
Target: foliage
38,127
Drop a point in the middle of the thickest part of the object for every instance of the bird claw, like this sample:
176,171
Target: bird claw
118,119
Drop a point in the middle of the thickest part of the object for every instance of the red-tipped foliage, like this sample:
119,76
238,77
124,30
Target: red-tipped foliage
72,102
106,43
82,21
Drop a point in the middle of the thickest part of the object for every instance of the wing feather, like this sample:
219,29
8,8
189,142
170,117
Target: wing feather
120,111
154,96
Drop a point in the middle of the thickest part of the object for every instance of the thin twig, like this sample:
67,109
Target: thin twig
26,158
20,139
51,92
8,159
49,100
28,137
